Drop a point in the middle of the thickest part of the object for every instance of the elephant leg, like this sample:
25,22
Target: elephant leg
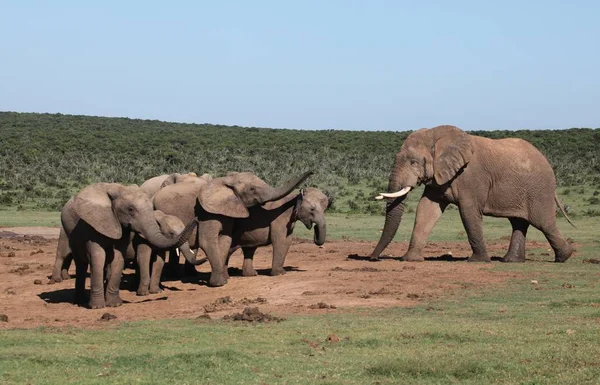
516,249
248,266
428,214
143,259
64,256
80,273
473,222
280,250
231,252
114,279
211,249
97,258
224,246
158,262
562,248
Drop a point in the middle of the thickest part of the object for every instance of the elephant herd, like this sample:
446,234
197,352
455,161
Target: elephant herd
106,223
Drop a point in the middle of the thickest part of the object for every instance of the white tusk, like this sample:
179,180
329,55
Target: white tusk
379,197
177,252
397,194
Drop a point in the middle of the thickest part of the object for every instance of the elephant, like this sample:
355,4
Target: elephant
153,185
216,205
273,223
139,249
506,178
98,222
151,259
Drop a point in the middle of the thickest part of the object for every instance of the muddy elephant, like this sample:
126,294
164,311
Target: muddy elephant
507,178
98,222
153,185
151,260
216,205
273,224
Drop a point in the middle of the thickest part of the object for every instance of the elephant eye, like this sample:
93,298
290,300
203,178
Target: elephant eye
131,209
414,162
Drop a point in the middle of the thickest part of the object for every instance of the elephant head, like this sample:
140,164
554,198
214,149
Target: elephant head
428,156
110,207
310,210
232,194
171,226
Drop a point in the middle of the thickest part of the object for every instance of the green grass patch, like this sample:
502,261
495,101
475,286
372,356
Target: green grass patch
517,334
16,218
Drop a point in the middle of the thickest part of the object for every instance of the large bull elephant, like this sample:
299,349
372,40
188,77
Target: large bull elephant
273,223
506,178
97,222
216,205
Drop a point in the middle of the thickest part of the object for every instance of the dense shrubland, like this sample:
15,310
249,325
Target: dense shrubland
44,158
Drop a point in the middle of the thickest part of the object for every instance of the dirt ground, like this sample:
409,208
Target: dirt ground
335,278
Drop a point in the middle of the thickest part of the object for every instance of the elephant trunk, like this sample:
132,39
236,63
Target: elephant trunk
190,255
278,193
320,231
158,240
393,216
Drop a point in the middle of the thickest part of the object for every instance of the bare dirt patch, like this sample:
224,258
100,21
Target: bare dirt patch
339,276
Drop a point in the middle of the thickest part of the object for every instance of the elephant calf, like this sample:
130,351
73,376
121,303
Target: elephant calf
273,223
152,259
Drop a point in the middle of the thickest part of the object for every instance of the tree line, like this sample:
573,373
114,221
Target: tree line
44,158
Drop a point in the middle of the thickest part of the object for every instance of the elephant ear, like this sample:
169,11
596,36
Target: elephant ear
94,206
217,198
452,152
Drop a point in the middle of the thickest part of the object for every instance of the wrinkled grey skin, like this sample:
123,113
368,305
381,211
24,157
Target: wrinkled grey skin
98,222
273,223
507,178
152,259
216,205
153,185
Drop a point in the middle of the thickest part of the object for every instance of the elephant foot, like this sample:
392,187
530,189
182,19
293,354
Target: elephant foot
155,290
65,275
412,257
563,255
114,301
250,272
54,279
277,271
142,291
97,303
479,258
217,280
513,258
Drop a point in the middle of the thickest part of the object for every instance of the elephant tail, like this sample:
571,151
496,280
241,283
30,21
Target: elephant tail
562,210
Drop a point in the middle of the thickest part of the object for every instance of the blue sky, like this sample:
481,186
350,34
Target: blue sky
368,65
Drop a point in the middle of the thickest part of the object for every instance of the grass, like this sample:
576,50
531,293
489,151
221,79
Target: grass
519,334
15,218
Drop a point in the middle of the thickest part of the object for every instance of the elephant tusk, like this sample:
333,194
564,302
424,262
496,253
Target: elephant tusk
177,252
396,194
